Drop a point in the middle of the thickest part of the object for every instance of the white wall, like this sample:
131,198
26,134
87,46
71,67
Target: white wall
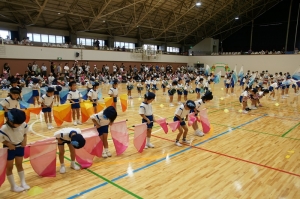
205,45
35,52
272,63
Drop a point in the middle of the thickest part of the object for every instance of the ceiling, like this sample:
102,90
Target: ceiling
178,21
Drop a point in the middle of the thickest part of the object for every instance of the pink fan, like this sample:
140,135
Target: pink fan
192,118
163,124
174,125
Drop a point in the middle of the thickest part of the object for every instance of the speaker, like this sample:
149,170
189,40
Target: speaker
77,54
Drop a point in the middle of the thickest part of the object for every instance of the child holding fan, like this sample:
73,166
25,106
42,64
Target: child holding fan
35,90
140,87
101,121
11,101
180,114
146,113
199,103
171,91
73,138
47,101
93,95
74,97
129,85
13,135
113,92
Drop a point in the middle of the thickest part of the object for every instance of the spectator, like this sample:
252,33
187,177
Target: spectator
16,41
52,68
44,70
58,69
97,44
29,67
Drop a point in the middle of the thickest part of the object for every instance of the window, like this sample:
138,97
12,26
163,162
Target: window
81,41
173,49
88,42
37,37
126,44
152,47
29,35
5,34
59,39
44,38
52,39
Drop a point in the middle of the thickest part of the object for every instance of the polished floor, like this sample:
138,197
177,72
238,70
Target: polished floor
254,155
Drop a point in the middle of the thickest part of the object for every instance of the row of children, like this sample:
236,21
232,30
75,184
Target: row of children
13,134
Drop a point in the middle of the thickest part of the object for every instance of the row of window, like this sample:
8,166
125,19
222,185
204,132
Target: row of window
89,42
125,44
46,38
4,34
173,49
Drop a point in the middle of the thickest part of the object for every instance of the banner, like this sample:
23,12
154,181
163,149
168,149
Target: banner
217,77
3,160
2,120
87,110
234,76
108,101
124,98
120,136
43,157
191,119
241,73
207,70
174,125
163,124
63,94
204,121
27,95
100,107
140,134
62,114
83,92
35,110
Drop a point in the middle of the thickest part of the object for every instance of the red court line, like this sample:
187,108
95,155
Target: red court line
235,158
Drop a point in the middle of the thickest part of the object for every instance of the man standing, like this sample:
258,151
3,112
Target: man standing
97,44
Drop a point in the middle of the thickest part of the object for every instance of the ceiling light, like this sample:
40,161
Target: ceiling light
103,21
58,13
236,18
198,4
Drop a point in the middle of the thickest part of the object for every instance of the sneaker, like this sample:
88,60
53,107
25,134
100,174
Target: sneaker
75,123
186,141
179,103
17,189
79,122
283,97
108,153
287,95
25,186
171,105
62,169
253,108
104,154
199,133
150,145
178,144
260,105
75,167
49,127
273,99
52,127
244,111
146,147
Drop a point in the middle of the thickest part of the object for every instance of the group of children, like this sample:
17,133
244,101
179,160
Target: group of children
13,134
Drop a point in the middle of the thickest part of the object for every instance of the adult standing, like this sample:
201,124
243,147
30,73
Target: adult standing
97,44
6,70
44,70
29,67
52,68
66,69
34,66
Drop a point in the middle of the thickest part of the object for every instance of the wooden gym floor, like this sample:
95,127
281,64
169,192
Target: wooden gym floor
254,155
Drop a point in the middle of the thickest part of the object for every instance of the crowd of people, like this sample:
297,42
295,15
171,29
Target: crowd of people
147,80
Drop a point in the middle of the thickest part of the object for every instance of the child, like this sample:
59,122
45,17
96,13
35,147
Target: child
186,90
154,84
11,101
47,102
205,98
146,113
171,91
93,95
35,90
129,84
180,89
113,92
227,84
13,135
73,138
57,89
243,99
140,87
74,97
271,89
102,120
148,82
180,114
199,86
164,84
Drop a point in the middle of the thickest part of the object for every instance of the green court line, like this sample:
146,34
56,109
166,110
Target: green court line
283,135
108,181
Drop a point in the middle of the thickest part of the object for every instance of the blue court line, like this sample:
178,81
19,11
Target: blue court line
162,159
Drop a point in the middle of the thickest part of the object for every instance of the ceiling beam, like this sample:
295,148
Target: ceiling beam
103,7
40,11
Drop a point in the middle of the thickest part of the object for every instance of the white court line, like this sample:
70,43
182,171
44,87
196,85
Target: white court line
30,129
